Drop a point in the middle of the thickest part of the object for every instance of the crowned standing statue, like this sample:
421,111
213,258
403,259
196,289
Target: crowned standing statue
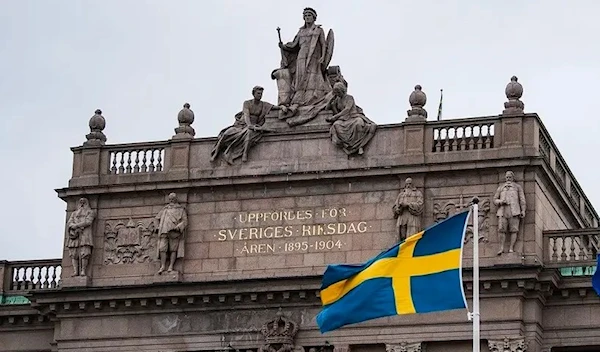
302,79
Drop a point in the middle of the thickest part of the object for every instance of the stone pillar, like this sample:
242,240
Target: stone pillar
178,157
508,344
405,347
86,159
4,279
415,139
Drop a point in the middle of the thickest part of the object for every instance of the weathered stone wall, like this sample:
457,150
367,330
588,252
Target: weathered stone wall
26,340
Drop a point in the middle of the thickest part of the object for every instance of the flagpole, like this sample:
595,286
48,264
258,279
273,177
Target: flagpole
475,313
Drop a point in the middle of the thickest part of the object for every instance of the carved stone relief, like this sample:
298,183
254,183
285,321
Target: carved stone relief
405,347
443,208
279,335
508,345
129,241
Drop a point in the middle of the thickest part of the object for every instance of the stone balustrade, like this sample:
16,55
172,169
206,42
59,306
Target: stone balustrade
451,136
20,277
565,179
298,154
132,160
571,248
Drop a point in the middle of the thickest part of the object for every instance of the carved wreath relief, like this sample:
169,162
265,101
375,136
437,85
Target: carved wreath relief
129,241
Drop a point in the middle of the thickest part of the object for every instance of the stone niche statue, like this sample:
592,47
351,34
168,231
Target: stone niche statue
510,200
408,210
235,141
171,224
351,129
79,237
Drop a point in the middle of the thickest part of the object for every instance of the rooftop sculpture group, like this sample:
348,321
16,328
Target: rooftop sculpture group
307,86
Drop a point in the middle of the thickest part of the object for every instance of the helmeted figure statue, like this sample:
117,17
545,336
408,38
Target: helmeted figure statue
510,200
171,223
408,210
79,237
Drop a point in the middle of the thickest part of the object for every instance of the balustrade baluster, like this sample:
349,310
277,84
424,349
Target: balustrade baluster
472,137
462,145
151,166
113,169
122,162
438,143
159,165
446,139
128,168
554,249
563,249
47,277
144,160
54,282
136,167
488,137
572,249
38,283
452,139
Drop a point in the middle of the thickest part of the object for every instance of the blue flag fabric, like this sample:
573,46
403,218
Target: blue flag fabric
596,277
419,275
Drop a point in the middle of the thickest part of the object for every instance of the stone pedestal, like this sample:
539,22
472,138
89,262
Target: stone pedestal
174,276
77,281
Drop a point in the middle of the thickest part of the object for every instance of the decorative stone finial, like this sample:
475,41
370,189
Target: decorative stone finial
185,118
514,92
417,100
97,124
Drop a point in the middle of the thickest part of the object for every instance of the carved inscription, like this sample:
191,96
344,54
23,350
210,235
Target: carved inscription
282,231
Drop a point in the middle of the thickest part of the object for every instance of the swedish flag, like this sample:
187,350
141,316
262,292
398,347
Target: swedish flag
419,275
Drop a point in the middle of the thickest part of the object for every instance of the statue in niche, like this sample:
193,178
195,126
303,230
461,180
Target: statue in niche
235,141
351,129
79,236
171,223
302,78
510,200
408,210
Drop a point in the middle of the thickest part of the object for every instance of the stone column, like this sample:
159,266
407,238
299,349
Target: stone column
508,344
405,347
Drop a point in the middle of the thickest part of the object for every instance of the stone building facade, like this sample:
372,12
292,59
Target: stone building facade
249,234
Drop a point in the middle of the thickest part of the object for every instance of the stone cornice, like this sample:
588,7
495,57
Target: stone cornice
286,292
241,180
21,317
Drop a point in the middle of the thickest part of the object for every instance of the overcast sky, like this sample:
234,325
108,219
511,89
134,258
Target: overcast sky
139,61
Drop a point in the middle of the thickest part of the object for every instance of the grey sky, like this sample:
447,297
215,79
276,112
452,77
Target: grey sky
139,61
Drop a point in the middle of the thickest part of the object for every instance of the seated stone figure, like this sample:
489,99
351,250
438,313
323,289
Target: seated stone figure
235,141
351,129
